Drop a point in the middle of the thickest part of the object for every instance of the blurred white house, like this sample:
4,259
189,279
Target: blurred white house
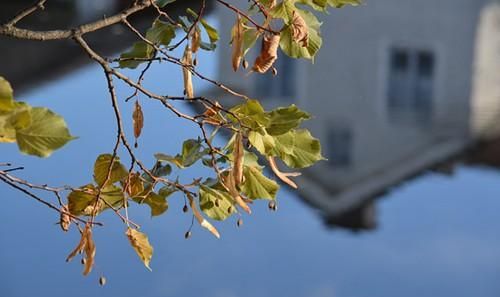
398,87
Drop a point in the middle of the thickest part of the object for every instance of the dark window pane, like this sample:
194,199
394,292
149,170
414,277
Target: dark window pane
340,147
399,60
425,64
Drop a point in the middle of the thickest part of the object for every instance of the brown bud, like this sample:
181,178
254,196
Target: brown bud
230,209
272,205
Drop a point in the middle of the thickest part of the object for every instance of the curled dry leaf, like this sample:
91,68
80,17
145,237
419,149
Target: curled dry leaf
65,219
268,54
137,119
141,245
199,217
195,40
282,175
300,33
238,155
187,61
237,43
87,246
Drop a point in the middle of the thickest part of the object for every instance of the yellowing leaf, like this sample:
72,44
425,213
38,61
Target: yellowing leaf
15,119
6,95
141,245
102,167
46,133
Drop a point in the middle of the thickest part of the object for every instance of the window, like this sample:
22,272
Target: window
410,89
339,145
282,86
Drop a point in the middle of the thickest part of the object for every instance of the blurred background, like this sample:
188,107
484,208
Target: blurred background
406,101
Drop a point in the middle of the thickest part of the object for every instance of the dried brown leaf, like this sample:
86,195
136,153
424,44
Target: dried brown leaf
138,119
268,54
187,61
141,245
89,251
65,219
300,32
237,43
87,246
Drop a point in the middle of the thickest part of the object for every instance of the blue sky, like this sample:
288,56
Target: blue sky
437,236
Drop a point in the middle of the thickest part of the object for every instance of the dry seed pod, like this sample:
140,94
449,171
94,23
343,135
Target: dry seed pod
65,219
268,54
83,261
239,223
138,119
284,177
245,64
238,156
275,71
237,43
187,60
185,208
188,234
300,33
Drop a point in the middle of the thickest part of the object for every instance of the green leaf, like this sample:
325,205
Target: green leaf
141,51
298,149
161,33
211,32
6,95
192,151
102,165
263,142
258,186
216,210
341,3
251,113
139,241
250,36
82,201
157,202
46,133
162,3
285,119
